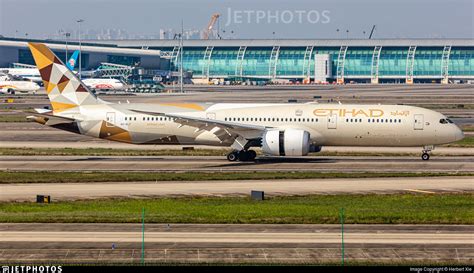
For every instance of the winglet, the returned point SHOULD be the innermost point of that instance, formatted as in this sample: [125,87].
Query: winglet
[71,63]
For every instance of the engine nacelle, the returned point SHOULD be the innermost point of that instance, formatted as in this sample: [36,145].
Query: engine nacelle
[292,142]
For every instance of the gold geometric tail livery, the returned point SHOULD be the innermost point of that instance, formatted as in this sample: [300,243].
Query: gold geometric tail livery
[65,90]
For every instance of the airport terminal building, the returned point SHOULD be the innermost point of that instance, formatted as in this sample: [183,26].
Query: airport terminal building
[366,61]
[16,51]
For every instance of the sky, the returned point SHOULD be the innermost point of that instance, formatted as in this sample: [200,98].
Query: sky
[246,19]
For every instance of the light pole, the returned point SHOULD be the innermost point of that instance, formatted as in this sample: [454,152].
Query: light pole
[80,47]
[67,34]
[181,58]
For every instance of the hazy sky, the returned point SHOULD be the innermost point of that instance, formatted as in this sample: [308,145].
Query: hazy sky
[247,18]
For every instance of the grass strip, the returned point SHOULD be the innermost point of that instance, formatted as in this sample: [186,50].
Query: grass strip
[80,177]
[312,209]
[13,118]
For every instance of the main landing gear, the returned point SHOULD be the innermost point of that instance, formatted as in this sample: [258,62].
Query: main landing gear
[426,152]
[243,155]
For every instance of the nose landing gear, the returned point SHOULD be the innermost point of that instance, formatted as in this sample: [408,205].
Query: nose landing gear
[244,155]
[426,152]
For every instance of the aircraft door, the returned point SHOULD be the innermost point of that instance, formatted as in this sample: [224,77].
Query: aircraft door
[110,118]
[419,122]
[332,121]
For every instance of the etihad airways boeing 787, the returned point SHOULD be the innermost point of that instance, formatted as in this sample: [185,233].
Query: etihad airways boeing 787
[279,129]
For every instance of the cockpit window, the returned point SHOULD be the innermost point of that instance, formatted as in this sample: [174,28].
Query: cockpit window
[445,121]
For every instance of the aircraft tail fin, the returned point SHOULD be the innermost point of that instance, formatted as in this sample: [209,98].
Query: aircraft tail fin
[71,63]
[65,91]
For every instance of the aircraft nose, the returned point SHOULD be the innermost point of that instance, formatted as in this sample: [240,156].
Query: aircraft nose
[458,134]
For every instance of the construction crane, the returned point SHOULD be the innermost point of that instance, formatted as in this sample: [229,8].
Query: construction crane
[372,32]
[210,26]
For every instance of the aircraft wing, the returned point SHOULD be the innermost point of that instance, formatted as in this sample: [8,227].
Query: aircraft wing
[230,128]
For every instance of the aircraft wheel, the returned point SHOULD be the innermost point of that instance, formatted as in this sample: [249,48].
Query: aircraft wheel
[252,154]
[425,156]
[11,91]
[244,156]
[233,156]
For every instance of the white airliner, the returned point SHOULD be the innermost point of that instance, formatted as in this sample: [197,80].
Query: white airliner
[31,74]
[279,129]
[10,85]
[104,84]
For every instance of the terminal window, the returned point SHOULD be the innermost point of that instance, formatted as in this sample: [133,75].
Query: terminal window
[123,60]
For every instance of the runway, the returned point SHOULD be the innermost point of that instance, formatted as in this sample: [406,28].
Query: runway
[70,243]
[75,191]
[457,164]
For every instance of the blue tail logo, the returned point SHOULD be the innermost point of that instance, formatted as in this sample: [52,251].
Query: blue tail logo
[71,63]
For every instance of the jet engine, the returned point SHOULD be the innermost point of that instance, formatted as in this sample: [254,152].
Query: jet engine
[291,142]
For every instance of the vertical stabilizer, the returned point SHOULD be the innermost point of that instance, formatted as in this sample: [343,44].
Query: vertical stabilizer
[65,91]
